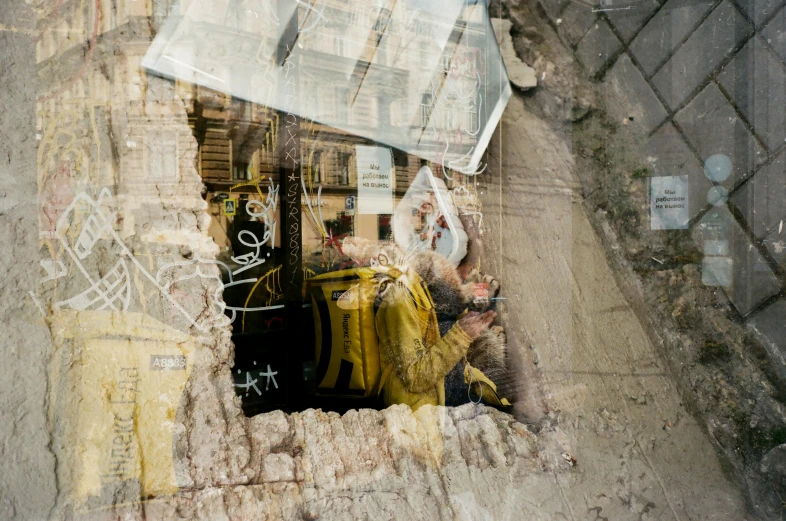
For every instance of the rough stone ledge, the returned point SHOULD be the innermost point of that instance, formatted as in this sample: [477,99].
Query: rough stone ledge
[436,462]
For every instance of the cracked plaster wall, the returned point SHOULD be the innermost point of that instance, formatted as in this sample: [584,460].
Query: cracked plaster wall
[24,435]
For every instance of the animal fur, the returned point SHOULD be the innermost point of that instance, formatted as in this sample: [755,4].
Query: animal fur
[451,297]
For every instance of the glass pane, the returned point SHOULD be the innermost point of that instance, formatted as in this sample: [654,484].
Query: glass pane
[393,259]
[424,77]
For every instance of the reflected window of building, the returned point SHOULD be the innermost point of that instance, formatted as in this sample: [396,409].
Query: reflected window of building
[108,15]
[344,164]
[382,19]
[309,96]
[425,55]
[63,35]
[338,45]
[398,112]
[357,14]
[316,170]
[425,108]
[159,90]
[364,111]
[240,172]
[446,63]
[162,156]
[400,158]
[423,28]
[343,224]
[384,227]
[341,101]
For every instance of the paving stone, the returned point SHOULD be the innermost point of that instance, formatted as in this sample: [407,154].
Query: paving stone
[670,26]
[554,8]
[762,199]
[712,126]
[629,96]
[576,21]
[775,243]
[775,34]
[770,326]
[630,17]
[759,10]
[756,81]
[597,47]
[701,54]
[752,281]
[667,154]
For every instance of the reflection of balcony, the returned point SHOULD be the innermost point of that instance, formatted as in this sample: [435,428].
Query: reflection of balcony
[338,189]
[450,120]
[425,114]
[60,66]
[391,80]
[352,189]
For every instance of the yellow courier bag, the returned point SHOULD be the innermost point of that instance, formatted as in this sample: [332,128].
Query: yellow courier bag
[347,349]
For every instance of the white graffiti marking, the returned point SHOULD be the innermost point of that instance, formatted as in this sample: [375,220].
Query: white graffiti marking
[114,288]
[37,303]
[251,382]
[113,292]
[263,7]
[320,14]
[461,109]
[53,272]
[267,213]
[270,375]
[465,169]
[168,275]
[319,223]
[97,223]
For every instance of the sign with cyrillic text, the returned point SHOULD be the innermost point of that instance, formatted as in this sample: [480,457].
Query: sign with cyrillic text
[669,203]
[375,180]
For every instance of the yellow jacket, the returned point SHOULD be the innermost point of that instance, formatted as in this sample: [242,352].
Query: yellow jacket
[413,358]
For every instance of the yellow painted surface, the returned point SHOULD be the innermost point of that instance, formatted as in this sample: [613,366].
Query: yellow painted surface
[124,408]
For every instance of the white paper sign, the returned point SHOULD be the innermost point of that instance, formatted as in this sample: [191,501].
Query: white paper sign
[669,203]
[375,180]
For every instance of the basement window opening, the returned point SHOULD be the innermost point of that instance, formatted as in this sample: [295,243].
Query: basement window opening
[383,261]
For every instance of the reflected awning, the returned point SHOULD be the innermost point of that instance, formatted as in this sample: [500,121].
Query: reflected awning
[424,76]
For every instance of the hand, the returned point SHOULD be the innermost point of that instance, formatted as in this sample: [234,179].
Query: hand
[474,323]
